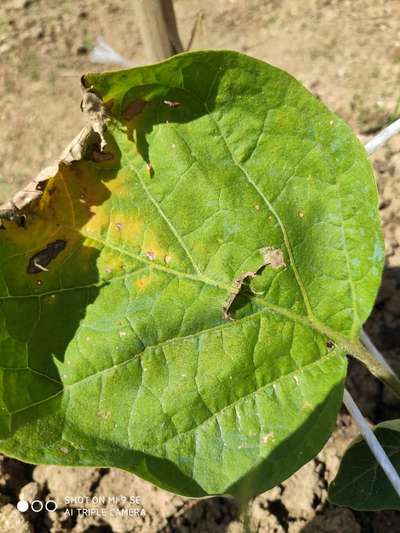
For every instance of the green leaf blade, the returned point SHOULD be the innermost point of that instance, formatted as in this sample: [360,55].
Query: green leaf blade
[214,157]
[361,483]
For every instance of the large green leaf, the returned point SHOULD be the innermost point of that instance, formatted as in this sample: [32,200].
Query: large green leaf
[119,354]
[361,483]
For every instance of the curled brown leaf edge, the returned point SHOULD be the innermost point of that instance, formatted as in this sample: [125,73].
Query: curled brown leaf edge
[91,134]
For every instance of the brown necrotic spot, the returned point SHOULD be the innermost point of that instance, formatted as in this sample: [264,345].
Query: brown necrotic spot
[273,257]
[133,109]
[40,261]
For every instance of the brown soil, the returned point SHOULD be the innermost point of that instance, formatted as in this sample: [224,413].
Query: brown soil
[348,53]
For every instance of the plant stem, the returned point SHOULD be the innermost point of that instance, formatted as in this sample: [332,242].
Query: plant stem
[245,516]
[382,371]
[373,443]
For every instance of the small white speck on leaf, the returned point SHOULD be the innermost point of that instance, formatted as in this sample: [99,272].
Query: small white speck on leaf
[172,104]
[150,255]
[64,450]
[167,259]
[122,333]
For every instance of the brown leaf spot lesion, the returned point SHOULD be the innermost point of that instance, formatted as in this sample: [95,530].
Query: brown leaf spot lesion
[133,109]
[272,257]
[151,255]
[40,261]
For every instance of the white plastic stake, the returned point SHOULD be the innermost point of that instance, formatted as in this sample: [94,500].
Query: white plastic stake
[382,137]
[104,53]
[373,443]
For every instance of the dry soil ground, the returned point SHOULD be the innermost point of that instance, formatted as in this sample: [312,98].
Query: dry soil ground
[348,53]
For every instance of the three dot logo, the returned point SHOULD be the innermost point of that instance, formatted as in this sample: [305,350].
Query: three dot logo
[37,506]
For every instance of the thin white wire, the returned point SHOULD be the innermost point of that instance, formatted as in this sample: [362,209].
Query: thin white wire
[382,137]
[373,443]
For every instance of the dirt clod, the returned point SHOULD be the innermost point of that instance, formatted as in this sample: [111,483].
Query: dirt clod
[12,521]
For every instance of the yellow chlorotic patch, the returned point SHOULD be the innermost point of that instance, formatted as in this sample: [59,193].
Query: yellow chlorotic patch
[98,223]
[126,228]
[111,264]
[118,185]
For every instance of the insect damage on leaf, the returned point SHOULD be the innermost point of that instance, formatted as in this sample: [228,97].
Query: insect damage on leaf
[272,257]
[40,261]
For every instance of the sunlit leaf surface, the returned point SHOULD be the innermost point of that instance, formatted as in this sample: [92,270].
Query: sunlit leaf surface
[115,350]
